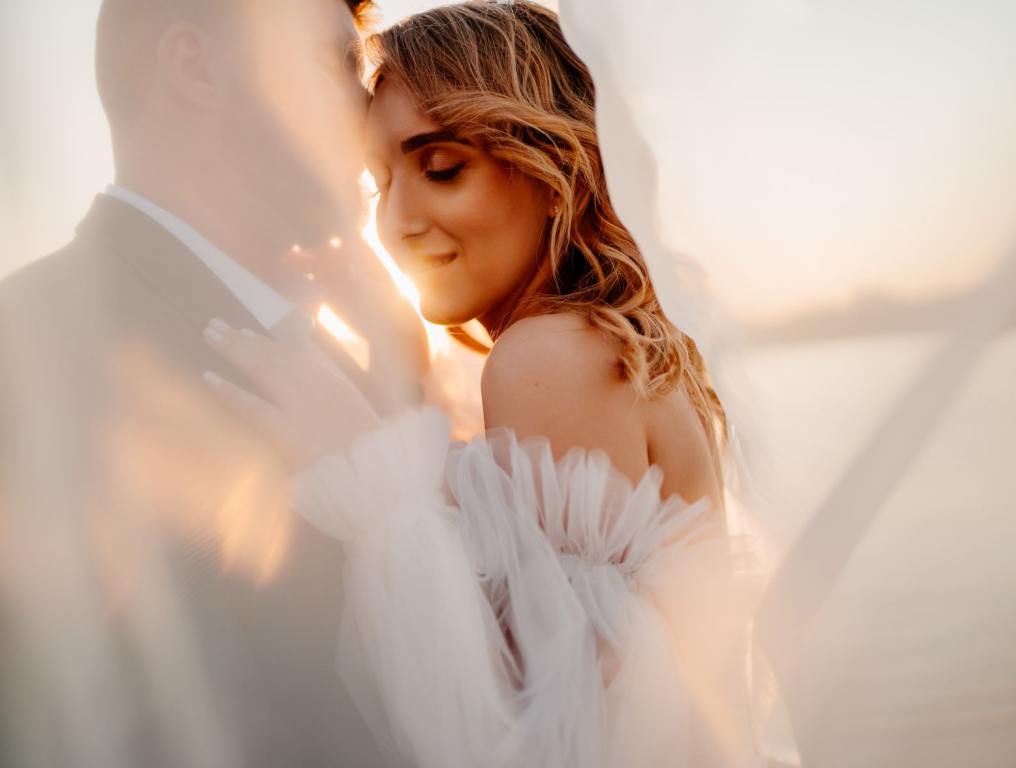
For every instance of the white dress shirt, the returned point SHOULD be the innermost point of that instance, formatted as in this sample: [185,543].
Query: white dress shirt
[261,300]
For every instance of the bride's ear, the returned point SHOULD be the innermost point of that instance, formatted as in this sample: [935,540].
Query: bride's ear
[555,206]
[185,64]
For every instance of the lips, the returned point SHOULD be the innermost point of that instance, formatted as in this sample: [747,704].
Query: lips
[435,261]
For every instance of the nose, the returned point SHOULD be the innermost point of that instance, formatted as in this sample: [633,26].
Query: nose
[400,218]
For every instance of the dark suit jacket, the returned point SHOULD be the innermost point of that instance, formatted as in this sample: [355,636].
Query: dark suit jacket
[160,605]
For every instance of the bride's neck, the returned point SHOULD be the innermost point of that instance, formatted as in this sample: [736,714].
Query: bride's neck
[518,304]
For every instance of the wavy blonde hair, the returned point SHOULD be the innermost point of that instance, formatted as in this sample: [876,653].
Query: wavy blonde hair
[504,74]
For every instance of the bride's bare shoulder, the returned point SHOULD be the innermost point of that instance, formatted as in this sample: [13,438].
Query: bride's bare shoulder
[556,376]
[557,347]
[547,333]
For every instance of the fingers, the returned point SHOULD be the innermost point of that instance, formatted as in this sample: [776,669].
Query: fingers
[246,350]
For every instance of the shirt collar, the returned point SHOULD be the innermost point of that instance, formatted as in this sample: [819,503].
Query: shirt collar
[261,300]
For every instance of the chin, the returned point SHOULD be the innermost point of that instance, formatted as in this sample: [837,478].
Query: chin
[446,313]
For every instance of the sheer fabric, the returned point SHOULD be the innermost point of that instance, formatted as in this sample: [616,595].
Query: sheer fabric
[514,610]
[839,173]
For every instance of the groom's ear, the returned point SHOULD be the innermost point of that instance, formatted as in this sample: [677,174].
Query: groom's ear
[186,66]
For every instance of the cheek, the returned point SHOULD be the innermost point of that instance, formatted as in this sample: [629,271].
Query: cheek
[294,130]
[322,117]
[494,221]
[500,227]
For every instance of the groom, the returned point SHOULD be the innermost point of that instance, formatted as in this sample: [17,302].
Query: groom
[160,606]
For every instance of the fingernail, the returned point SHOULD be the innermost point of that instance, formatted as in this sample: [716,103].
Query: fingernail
[248,333]
[218,324]
[213,334]
[212,378]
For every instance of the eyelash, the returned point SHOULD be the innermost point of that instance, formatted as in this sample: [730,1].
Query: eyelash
[445,174]
[442,176]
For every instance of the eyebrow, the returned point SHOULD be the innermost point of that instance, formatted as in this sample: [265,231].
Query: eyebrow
[414,143]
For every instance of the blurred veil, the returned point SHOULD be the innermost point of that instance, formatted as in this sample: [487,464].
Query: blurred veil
[159,602]
[823,192]
[842,176]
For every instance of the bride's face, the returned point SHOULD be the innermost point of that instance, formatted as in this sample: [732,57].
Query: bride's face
[466,229]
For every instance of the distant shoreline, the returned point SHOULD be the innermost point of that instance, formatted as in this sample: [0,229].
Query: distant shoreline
[868,315]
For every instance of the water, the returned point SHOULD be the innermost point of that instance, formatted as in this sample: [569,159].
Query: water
[913,659]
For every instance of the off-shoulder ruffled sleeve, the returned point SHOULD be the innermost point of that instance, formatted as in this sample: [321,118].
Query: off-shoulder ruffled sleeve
[504,609]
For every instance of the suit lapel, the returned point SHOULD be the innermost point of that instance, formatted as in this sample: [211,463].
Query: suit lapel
[163,295]
[166,266]
[186,292]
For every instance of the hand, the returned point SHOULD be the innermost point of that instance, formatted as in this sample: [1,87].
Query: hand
[353,279]
[314,410]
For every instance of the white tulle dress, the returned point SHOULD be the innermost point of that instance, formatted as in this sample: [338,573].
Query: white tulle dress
[504,609]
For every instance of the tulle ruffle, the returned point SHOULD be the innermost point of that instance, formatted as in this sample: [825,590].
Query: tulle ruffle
[527,611]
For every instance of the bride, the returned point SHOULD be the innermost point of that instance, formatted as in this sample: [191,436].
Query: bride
[562,591]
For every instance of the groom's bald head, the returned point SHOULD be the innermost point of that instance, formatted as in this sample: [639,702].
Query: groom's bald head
[129,33]
[237,99]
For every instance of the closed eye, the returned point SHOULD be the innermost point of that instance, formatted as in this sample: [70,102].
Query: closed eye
[444,174]
[442,163]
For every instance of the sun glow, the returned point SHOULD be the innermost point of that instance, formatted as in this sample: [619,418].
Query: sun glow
[437,336]
[438,340]
[353,343]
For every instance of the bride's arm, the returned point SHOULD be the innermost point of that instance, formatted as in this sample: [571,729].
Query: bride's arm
[676,631]
[422,650]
